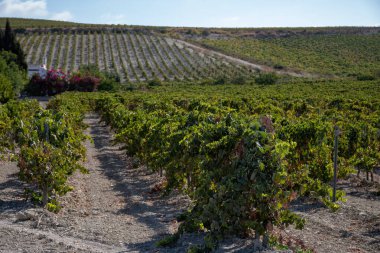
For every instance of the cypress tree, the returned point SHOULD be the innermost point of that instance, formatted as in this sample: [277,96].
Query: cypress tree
[8,37]
[1,39]
[8,42]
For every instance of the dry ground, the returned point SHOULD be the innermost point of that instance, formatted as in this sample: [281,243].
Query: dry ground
[113,209]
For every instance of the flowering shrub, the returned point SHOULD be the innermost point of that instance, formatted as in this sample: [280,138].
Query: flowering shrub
[37,86]
[56,81]
[84,83]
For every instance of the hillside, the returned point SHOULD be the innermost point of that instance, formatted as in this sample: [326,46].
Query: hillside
[138,53]
[342,54]
[135,56]
[23,23]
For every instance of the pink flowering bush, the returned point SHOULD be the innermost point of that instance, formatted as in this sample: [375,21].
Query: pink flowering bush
[80,82]
[56,81]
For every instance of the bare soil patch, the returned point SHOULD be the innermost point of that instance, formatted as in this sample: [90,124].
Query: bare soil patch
[355,227]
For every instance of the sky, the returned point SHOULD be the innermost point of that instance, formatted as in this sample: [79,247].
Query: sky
[201,13]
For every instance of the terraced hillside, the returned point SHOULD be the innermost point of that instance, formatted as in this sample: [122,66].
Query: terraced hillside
[134,56]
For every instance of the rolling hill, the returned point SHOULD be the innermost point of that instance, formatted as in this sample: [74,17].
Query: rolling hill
[138,53]
[134,55]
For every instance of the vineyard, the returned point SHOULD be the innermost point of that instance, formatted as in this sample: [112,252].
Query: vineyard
[181,165]
[251,147]
[25,23]
[342,55]
[133,56]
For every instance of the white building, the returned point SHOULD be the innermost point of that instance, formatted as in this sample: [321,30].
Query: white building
[40,69]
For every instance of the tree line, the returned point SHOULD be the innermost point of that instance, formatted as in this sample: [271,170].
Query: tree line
[13,65]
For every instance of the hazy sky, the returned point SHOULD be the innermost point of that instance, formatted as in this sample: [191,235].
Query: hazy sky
[201,13]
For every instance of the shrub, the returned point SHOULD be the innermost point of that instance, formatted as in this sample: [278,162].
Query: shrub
[220,80]
[84,83]
[89,70]
[363,77]
[239,80]
[55,82]
[278,66]
[37,86]
[154,82]
[6,90]
[8,42]
[266,79]
[10,69]
[108,85]
[205,33]
[88,78]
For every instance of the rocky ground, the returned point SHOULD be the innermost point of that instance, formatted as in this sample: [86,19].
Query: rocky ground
[114,209]
[355,227]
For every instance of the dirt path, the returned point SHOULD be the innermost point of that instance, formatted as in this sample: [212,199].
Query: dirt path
[243,62]
[113,209]
[110,210]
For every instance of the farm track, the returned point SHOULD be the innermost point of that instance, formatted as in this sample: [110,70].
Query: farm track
[110,210]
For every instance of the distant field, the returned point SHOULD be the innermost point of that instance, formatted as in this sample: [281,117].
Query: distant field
[342,55]
[36,23]
[134,56]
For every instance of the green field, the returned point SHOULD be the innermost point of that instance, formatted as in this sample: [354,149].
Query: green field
[37,23]
[342,55]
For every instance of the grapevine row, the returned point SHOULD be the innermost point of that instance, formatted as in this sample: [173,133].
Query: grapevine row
[133,56]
